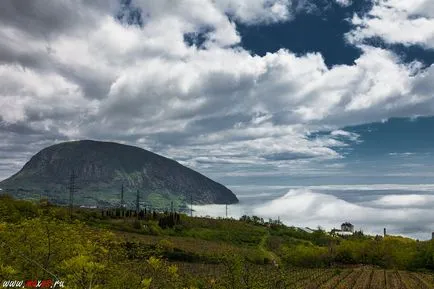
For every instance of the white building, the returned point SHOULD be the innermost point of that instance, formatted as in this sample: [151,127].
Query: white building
[347,229]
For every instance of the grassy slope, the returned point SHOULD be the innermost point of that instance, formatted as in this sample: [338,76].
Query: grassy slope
[213,247]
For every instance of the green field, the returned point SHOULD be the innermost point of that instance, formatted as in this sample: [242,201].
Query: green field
[118,249]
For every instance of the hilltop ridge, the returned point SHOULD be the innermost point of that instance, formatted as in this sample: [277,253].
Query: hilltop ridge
[101,168]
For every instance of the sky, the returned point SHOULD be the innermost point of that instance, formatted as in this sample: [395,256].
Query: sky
[256,94]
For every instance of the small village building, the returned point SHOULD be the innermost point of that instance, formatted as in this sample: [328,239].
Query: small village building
[347,227]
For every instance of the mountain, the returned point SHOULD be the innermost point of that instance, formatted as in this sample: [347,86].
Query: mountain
[102,168]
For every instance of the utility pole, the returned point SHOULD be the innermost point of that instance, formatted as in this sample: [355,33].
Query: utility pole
[122,197]
[171,207]
[72,190]
[226,210]
[191,205]
[137,203]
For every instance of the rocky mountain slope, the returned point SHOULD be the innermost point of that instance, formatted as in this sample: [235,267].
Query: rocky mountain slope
[102,168]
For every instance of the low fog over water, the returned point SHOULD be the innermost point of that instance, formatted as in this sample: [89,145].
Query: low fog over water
[402,209]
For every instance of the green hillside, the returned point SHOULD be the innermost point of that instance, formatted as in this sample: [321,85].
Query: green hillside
[117,248]
[100,169]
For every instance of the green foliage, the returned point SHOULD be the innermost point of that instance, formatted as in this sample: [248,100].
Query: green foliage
[83,272]
[390,252]
[92,251]
[165,200]
[152,228]
[305,256]
[226,230]
[318,237]
[165,246]
[14,210]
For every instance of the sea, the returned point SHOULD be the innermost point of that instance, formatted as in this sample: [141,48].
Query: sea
[405,210]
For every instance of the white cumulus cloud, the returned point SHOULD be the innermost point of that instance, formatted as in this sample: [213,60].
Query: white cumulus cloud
[206,106]
[397,22]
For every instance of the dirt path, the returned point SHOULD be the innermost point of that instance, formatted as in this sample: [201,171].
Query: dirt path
[263,247]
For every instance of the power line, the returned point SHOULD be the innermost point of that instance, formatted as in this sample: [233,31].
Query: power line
[72,189]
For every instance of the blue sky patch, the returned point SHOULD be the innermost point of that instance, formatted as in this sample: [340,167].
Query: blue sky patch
[319,29]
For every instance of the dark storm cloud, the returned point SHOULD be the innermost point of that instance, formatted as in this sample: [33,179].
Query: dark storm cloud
[286,156]
[39,17]
[36,59]
[19,142]
[50,18]
[93,84]
[16,128]
[217,123]
[42,23]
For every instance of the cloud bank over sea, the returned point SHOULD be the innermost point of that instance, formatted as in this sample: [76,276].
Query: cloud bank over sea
[406,212]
